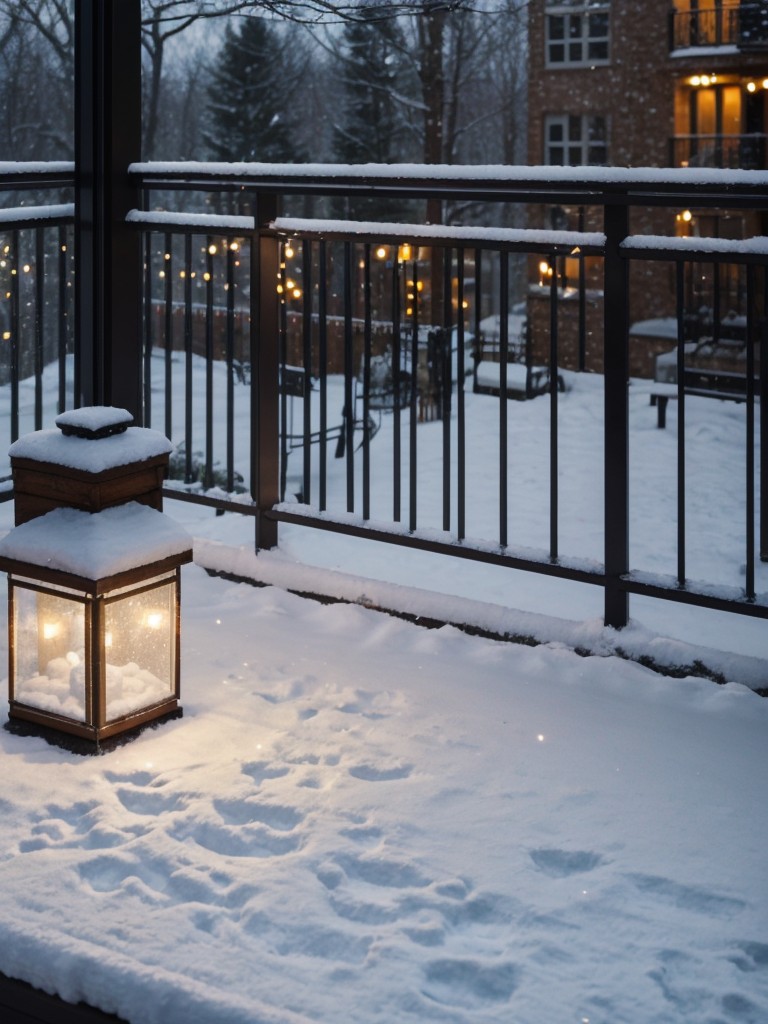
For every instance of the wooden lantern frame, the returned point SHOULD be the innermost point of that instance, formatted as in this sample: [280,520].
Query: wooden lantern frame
[96,596]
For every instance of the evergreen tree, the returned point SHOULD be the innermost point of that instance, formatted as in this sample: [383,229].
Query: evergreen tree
[248,96]
[373,78]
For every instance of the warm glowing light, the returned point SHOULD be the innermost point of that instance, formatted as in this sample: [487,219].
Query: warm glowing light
[405,252]
[419,286]
[290,284]
[280,289]
[297,293]
[206,276]
[107,639]
[161,274]
[6,335]
[212,250]
[465,304]
[289,251]
[51,630]
[695,80]
[166,256]
[154,620]
[764,83]
[381,252]
[409,311]
[234,246]
[706,80]
[540,737]
[751,87]
[687,216]
[182,273]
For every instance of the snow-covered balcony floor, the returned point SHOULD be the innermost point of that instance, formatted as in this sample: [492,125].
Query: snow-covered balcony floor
[362,820]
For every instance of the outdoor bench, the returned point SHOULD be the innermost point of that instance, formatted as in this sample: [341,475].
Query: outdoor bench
[726,385]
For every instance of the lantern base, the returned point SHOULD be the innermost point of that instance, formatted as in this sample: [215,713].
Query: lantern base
[81,744]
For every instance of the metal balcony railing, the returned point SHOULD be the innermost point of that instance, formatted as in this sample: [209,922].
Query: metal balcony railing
[744,25]
[745,152]
[274,343]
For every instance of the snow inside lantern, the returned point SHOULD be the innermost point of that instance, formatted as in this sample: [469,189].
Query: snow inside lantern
[93,610]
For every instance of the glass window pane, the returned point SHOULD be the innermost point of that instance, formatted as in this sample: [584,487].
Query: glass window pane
[140,640]
[49,653]
[556,27]
[598,51]
[556,131]
[557,53]
[598,25]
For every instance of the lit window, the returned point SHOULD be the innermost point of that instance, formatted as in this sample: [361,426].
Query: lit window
[576,140]
[577,34]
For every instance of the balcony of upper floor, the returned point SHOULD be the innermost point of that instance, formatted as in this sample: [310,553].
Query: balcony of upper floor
[745,152]
[742,26]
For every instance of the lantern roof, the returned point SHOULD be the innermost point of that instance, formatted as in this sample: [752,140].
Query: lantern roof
[133,444]
[96,545]
[94,422]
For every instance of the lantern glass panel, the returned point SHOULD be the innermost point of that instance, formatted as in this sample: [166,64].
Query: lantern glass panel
[49,653]
[140,649]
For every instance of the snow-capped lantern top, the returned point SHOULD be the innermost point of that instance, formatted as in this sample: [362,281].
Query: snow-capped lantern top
[94,422]
[94,460]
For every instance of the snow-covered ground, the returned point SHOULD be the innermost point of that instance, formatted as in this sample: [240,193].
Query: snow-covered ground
[362,820]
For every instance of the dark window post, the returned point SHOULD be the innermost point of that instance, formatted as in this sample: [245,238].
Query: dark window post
[616,348]
[265,370]
[108,279]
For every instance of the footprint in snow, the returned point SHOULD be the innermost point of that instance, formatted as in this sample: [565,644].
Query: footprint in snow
[379,773]
[563,863]
[469,983]
[687,897]
[260,771]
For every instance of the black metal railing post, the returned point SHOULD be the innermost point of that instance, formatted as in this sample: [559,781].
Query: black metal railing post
[265,371]
[616,382]
[108,262]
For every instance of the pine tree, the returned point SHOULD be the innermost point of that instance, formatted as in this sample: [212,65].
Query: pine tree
[248,97]
[373,77]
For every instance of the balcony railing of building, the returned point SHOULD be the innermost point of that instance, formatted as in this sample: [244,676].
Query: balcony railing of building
[747,152]
[717,24]
[273,342]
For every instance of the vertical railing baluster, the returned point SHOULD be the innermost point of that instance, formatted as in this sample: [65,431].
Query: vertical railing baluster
[503,393]
[14,261]
[750,436]
[39,323]
[444,356]
[168,321]
[230,361]
[148,331]
[348,412]
[460,405]
[306,333]
[763,343]
[582,362]
[367,316]
[416,399]
[616,415]
[680,304]
[210,250]
[397,402]
[553,410]
[188,363]
[61,404]
[282,348]
[322,338]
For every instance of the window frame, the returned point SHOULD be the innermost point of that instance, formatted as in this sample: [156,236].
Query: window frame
[569,13]
[568,142]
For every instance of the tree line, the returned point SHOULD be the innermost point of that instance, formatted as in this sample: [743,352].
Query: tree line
[423,81]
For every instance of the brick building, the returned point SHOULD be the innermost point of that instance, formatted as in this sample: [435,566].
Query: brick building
[661,84]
